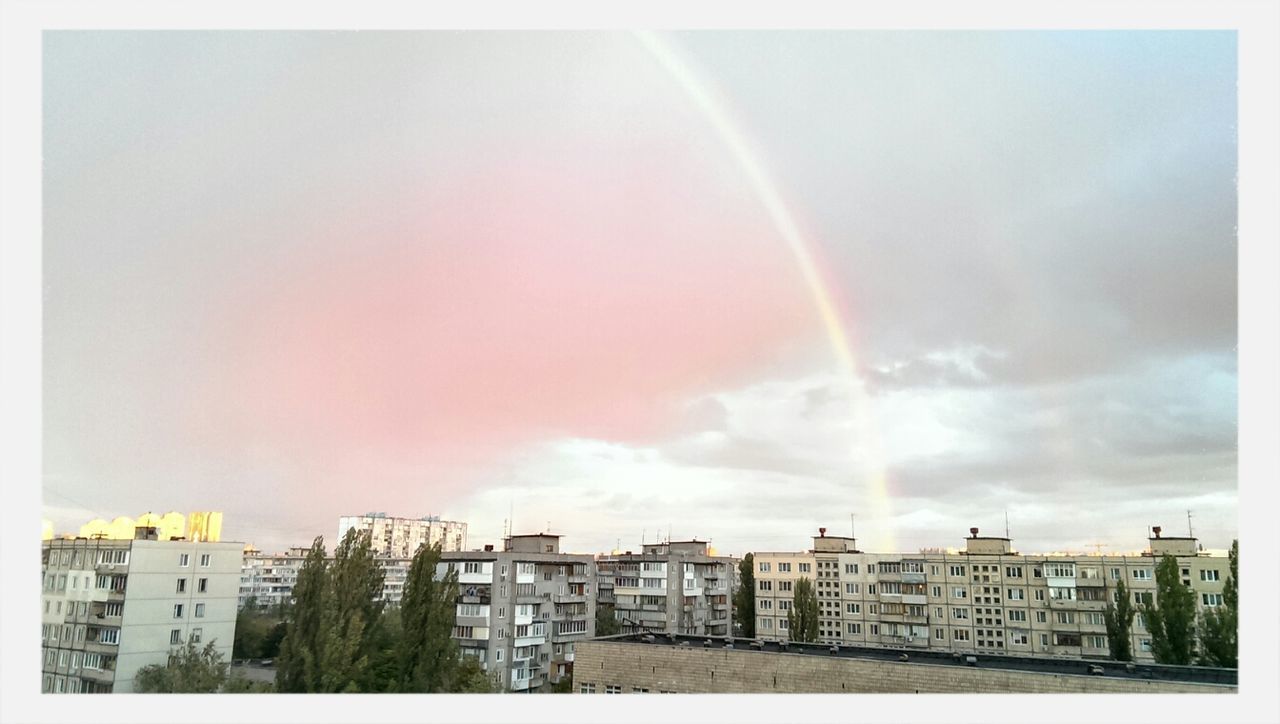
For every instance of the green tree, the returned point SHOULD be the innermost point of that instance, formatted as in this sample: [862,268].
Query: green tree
[744,599]
[190,670]
[1171,618]
[429,656]
[802,618]
[240,684]
[1219,625]
[297,668]
[607,620]
[1118,617]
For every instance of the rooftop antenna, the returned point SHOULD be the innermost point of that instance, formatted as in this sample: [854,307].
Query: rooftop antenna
[1189,533]
[852,530]
[1006,522]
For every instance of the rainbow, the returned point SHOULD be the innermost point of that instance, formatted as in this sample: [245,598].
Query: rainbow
[803,252]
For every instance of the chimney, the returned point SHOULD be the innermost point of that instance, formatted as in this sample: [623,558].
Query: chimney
[973,532]
[1156,529]
[822,532]
[488,547]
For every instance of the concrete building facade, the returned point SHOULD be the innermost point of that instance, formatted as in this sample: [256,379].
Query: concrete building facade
[522,611]
[400,537]
[111,607]
[986,598]
[673,587]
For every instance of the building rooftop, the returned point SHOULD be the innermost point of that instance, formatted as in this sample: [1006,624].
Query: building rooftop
[1038,664]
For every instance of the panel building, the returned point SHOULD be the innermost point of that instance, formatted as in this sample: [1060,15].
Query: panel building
[400,537]
[522,610]
[111,607]
[986,598]
[673,587]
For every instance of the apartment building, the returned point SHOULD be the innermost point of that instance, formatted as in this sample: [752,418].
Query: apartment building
[111,607]
[268,578]
[522,610]
[986,598]
[673,587]
[401,537]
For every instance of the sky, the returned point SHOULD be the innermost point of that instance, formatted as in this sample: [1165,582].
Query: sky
[293,276]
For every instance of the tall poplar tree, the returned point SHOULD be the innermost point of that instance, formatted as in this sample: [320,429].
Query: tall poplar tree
[1171,618]
[802,619]
[297,668]
[744,599]
[429,657]
[1118,617]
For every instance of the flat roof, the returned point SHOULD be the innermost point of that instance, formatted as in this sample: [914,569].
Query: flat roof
[1036,664]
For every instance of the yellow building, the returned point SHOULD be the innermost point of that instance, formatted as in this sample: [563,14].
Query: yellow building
[203,526]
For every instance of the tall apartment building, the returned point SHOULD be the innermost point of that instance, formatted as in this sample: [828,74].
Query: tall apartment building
[673,587]
[111,607]
[986,598]
[521,610]
[400,537]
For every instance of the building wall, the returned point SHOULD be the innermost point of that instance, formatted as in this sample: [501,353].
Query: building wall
[401,537]
[680,591]
[633,667]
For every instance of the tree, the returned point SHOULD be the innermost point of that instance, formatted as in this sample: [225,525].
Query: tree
[1171,619]
[429,656]
[1118,617]
[297,667]
[1219,625]
[802,618]
[744,599]
[240,684]
[190,670]
[607,620]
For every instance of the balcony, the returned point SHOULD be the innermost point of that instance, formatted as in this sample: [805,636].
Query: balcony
[103,676]
[913,578]
[1098,582]
[99,647]
[569,598]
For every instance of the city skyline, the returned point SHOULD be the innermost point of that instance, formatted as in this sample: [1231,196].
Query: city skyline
[468,274]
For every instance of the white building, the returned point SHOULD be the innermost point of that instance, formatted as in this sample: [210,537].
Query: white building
[672,587]
[401,537]
[111,607]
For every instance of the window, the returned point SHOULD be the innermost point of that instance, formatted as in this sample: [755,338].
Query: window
[1115,574]
[498,655]
[109,636]
[465,632]
[638,690]
[1142,574]
[177,610]
[960,613]
[853,608]
[766,585]
[1094,618]
[93,661]
[871,589]
[114,609]
[1060,570]
[471,567]
[204,560]
[1211,599]
[764,623]
[1062,593]
[182,586]
[936,591]
[874,608]
[202,586]
[782,624]
[184,559]
[199,610]
[957,570]
[1018,637]
[959,592]
[63,658]
[613,689]
[1096,642]
[1016,615]
[1042,617]
[57,607]
[587,689]
[1142,597]
[196,634]
[960,634]
[1066,639]
[1039,594]
[852,588]
[1144,645]
[1209,575]
[784,568]
[784,585]
[784,605]
[871,568]
[1015,594]
[175,636]
[1013,571]
[75,660]
[851,568]
[875,629]
[804,567]
[764,567]
[1066,617]
[122,557]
